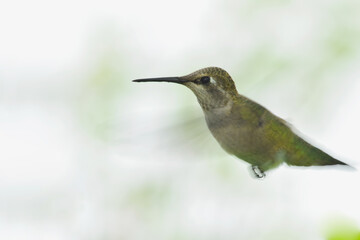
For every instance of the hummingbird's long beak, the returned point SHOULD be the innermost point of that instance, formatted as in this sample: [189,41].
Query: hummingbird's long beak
[162,79]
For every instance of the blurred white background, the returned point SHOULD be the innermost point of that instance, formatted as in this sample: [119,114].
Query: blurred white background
[87,154]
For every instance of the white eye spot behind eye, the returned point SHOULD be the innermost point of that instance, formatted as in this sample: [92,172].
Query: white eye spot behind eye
[212,80]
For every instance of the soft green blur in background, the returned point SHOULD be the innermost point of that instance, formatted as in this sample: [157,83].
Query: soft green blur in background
[87,154]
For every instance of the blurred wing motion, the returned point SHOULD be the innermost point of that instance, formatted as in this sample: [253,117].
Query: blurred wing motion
[304,154]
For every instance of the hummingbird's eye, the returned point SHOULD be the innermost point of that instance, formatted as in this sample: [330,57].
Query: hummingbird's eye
[205,80]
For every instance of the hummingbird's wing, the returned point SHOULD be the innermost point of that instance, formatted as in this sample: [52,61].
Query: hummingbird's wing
[286,143]
[302,153]
[298,152]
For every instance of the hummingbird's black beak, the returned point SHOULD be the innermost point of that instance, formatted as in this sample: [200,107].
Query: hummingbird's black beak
[163,79]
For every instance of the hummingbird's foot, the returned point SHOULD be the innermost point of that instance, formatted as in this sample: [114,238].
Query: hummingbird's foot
[257,171]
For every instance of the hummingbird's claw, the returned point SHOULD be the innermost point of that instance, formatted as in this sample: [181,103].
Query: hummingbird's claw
[257,171]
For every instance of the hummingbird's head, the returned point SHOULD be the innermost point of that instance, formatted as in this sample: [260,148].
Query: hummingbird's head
[212,86]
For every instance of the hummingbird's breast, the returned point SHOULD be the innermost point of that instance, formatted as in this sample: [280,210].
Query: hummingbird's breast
[224,126]
[238,136]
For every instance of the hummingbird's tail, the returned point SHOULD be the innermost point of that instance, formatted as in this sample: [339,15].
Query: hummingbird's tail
[304,154]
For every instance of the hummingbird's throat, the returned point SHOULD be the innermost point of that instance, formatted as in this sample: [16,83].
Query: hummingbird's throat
[212,99]
[214,105]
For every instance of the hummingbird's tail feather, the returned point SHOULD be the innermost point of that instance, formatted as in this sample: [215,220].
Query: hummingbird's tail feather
[304,154]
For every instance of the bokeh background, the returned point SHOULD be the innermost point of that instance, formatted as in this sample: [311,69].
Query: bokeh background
[87,154]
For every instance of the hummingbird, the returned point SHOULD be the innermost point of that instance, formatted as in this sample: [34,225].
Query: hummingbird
[244,128]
